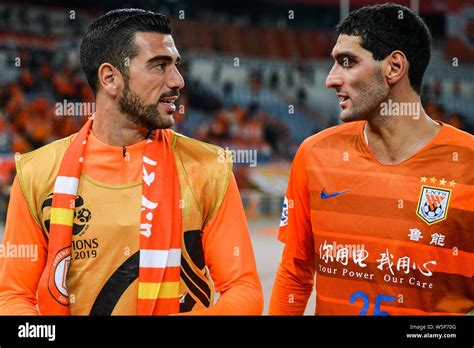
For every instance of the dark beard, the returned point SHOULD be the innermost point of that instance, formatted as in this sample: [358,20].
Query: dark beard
[143,115]
[372,94]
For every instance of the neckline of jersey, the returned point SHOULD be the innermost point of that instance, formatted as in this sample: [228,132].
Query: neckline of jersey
[367,149]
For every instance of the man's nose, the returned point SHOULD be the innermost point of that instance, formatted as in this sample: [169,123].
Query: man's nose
[175,79]
[333,80]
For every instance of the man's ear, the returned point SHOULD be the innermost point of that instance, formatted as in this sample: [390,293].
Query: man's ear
[396,67]
[110,79]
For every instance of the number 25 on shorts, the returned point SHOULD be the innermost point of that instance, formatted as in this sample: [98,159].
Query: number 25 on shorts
[365,299]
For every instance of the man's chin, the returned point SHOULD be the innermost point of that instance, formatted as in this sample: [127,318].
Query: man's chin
[347,116]
[161,123]
[168,122]
[149,121]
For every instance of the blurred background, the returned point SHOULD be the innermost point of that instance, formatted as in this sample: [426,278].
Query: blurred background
[255,76]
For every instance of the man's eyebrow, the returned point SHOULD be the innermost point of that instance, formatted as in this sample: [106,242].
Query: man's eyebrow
[161,58]
[344,54]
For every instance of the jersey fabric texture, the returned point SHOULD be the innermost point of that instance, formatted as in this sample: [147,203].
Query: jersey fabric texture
[378,239]
[103,274]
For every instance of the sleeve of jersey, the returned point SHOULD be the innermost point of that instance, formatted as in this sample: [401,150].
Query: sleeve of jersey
[23,258]
[295,276]
[229,255]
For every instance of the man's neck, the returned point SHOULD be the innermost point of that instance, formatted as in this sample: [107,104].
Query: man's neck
[395,138]
[114,129]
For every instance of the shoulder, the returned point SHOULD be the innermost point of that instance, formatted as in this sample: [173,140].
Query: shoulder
[206,151]
[36,172]
[334,137]
[201,153]
[204,168]
[456,137]
[41,163]
[47,154]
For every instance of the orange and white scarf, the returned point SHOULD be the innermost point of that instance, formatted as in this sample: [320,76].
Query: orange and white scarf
[160,229]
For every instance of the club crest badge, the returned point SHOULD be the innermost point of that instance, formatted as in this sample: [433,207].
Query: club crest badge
[57,276]
[433,204]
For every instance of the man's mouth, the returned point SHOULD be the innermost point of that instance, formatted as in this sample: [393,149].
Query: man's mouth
[169,100]
[168,103]
[343,99]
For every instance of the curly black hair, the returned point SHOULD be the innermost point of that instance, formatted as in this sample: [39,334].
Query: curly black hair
[389,27]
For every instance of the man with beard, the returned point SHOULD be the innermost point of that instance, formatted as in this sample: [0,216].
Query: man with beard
[127,216]
[380,208]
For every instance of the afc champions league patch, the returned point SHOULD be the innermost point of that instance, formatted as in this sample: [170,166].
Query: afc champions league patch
[57,276]
[284,213]
[433,204]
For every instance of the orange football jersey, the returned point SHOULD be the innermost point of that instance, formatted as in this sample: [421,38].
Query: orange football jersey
[378,239]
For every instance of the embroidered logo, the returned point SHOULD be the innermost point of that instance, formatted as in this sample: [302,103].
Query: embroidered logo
[433,204]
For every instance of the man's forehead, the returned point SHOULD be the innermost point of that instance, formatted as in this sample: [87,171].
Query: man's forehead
[348,43]
[155,43]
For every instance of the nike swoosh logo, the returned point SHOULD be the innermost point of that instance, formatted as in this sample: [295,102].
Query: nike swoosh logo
[325,195]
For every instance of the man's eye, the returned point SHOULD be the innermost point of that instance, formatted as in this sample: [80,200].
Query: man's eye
[346,62]
[160,66]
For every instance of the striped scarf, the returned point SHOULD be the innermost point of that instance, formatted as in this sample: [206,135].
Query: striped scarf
[160,229]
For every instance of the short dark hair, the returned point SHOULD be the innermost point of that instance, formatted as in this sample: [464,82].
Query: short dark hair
[389,27]
[110,39]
